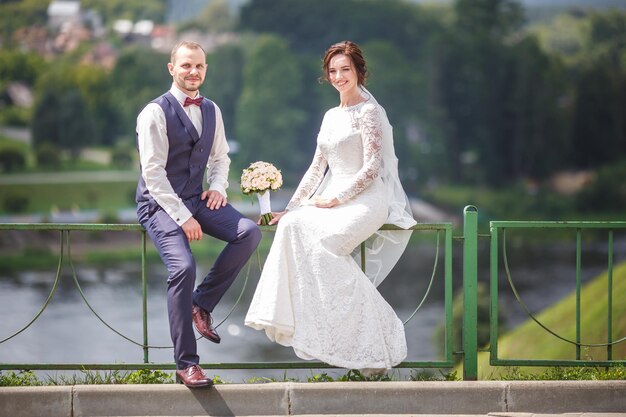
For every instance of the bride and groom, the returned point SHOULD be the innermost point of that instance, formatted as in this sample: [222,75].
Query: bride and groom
[312,294]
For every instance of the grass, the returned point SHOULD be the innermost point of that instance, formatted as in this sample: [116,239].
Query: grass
[512,203]
[106,197]
[86,377]
[146,376]
[5,141]
[44,258]
[45,198]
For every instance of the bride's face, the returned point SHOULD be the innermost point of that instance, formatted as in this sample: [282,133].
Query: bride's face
[342,74]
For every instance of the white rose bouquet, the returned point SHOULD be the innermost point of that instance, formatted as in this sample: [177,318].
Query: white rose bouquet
[258,178]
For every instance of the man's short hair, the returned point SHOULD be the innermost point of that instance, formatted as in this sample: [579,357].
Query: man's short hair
[186,44]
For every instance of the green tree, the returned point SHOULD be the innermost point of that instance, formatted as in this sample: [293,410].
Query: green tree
[12,157]
[499,92]
[73,108]
[565,36]
[598,122]
[311,26]
[139,76]
[599,107]
[15,15]
[224,81]
[536,130]
[46,129]
[396,88]
[23,67]
[75,123]
[64,120]
[95,87]
[488,19]
[267,121]
[214,18]
[16,65]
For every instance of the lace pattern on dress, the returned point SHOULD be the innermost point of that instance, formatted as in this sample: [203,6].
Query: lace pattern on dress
[367,119]
[372,136]
[311,179]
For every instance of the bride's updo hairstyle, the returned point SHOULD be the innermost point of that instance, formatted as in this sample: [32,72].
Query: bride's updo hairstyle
[350,49]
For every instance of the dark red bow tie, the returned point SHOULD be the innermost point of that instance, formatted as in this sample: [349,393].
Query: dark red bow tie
[190,101]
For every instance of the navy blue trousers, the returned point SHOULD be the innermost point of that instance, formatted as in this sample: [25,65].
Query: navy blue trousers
[226,224]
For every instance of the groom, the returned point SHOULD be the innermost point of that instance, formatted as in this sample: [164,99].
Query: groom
[180,135]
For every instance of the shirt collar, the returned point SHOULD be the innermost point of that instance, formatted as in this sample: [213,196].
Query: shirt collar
[179,95]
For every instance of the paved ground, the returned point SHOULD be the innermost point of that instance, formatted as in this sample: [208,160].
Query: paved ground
[370,399]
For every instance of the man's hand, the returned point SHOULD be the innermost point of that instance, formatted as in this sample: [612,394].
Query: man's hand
[192,229]
[214,199]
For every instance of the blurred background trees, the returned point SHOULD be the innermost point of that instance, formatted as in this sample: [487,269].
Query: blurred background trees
[481,93]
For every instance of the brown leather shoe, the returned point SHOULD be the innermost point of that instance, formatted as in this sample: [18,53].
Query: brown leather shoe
[203,322]
[193,377]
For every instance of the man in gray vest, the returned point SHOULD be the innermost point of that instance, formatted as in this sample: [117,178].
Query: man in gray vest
[180,135]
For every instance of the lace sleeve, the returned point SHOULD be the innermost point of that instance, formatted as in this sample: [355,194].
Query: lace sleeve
[371,134]
[310,180]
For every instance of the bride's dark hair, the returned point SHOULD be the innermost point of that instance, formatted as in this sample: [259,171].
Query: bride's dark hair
[350,49]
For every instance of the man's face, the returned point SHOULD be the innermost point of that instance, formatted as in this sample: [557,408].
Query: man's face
[188,69]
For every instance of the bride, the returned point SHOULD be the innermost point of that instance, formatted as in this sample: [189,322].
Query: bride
[312,294]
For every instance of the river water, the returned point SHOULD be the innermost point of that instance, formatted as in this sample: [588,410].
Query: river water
[68,332]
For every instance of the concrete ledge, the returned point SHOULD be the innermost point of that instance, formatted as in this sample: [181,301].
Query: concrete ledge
[566,396]
[36,401]
[479,398]
[177,400]
[398,398]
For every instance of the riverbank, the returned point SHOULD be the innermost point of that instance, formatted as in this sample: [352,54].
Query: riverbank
[478,398]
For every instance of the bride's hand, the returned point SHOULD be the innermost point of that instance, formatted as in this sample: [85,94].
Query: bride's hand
[275,217]
[326,202]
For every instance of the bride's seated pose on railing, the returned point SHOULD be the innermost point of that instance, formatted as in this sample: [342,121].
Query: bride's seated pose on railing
[312,294]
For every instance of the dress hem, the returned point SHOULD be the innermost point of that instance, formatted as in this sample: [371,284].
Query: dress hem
[305,354]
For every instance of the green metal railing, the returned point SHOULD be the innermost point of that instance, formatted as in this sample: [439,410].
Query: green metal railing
[499,231]
[469,352]
[65,232]
[65,251]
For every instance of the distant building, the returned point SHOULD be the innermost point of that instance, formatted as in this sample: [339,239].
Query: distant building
[64,13]
[20,94]
[135,32]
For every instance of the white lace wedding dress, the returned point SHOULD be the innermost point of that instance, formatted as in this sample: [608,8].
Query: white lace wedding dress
[312,294]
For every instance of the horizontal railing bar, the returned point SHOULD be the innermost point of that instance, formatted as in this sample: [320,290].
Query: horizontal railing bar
[228,366]
[559,224]
[71,226]
[138,227]
[418,226]
[554,362]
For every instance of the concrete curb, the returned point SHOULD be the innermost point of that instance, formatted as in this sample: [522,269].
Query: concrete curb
[495,398]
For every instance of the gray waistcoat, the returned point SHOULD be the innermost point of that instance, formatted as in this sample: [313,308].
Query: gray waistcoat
[188,153]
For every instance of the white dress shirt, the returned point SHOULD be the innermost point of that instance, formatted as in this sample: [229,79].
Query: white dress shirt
[154,147]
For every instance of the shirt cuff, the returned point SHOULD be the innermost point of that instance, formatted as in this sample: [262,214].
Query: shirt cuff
[219,189]
[181,216]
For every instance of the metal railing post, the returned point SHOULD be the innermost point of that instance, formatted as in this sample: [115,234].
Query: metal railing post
[493,293]
[609,309]
[470,293]
[144,298]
